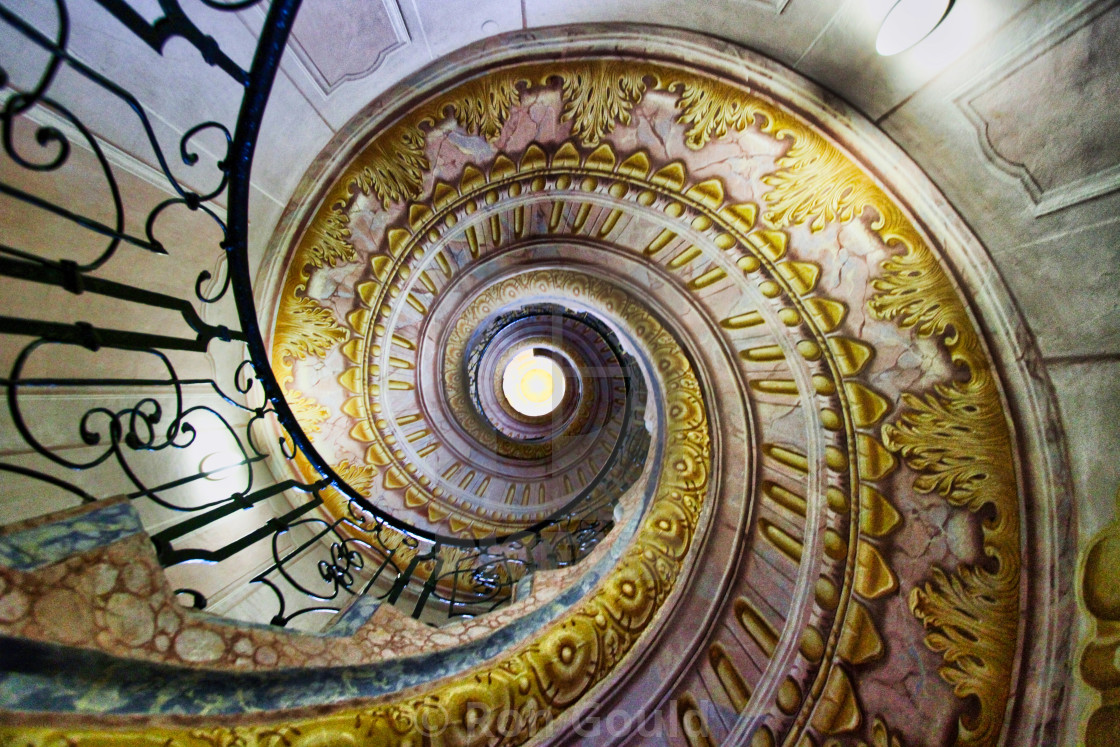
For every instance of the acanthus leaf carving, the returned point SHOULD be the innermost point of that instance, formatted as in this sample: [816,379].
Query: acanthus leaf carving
[816,184]
[306,328]
[328,243]
[482,106]
[913,292]
[309,413]
[393,167]
[599,96]
[965,615]
[956,438]
[957,441]
[712,111]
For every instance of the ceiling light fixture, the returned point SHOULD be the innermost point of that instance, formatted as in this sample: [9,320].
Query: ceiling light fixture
[908,22]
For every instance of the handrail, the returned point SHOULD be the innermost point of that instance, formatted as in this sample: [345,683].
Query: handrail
[140,359]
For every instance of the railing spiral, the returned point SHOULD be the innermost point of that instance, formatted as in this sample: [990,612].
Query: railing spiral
[116,387]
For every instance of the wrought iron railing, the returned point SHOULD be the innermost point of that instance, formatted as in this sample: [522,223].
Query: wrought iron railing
[136,365]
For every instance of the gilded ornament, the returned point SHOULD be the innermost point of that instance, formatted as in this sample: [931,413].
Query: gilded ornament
[712,109]
[598,96]
[547,676]
[956,439]
[303,328]
[392,167]
[1100,661]
[482,106]
[881,736]
[929,434]
[309,413]
[875,578]
[328,243]
[914,292]
[816,184]
[965,614]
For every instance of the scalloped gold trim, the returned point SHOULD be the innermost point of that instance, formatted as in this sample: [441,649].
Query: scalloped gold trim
[956,437]
[550,673]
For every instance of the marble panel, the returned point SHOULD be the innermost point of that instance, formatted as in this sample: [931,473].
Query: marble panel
[264,216]
[347,40]
[1089,397]
[941,138]
[292,133]
[1068,286]
[176,89]
[1066,151]
[1088,393]
[396,49]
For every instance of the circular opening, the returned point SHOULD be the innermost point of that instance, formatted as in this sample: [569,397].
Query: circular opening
[533,384]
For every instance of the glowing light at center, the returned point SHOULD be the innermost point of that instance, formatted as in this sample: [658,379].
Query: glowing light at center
[533,384]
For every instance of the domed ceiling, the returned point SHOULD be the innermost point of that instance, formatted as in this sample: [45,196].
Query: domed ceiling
[664,293]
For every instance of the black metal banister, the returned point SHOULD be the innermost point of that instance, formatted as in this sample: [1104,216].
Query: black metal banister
[147,436]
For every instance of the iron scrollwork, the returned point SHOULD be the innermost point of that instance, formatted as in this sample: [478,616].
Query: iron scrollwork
[188,448]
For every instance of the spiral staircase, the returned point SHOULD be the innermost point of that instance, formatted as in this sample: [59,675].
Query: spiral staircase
[597,384]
